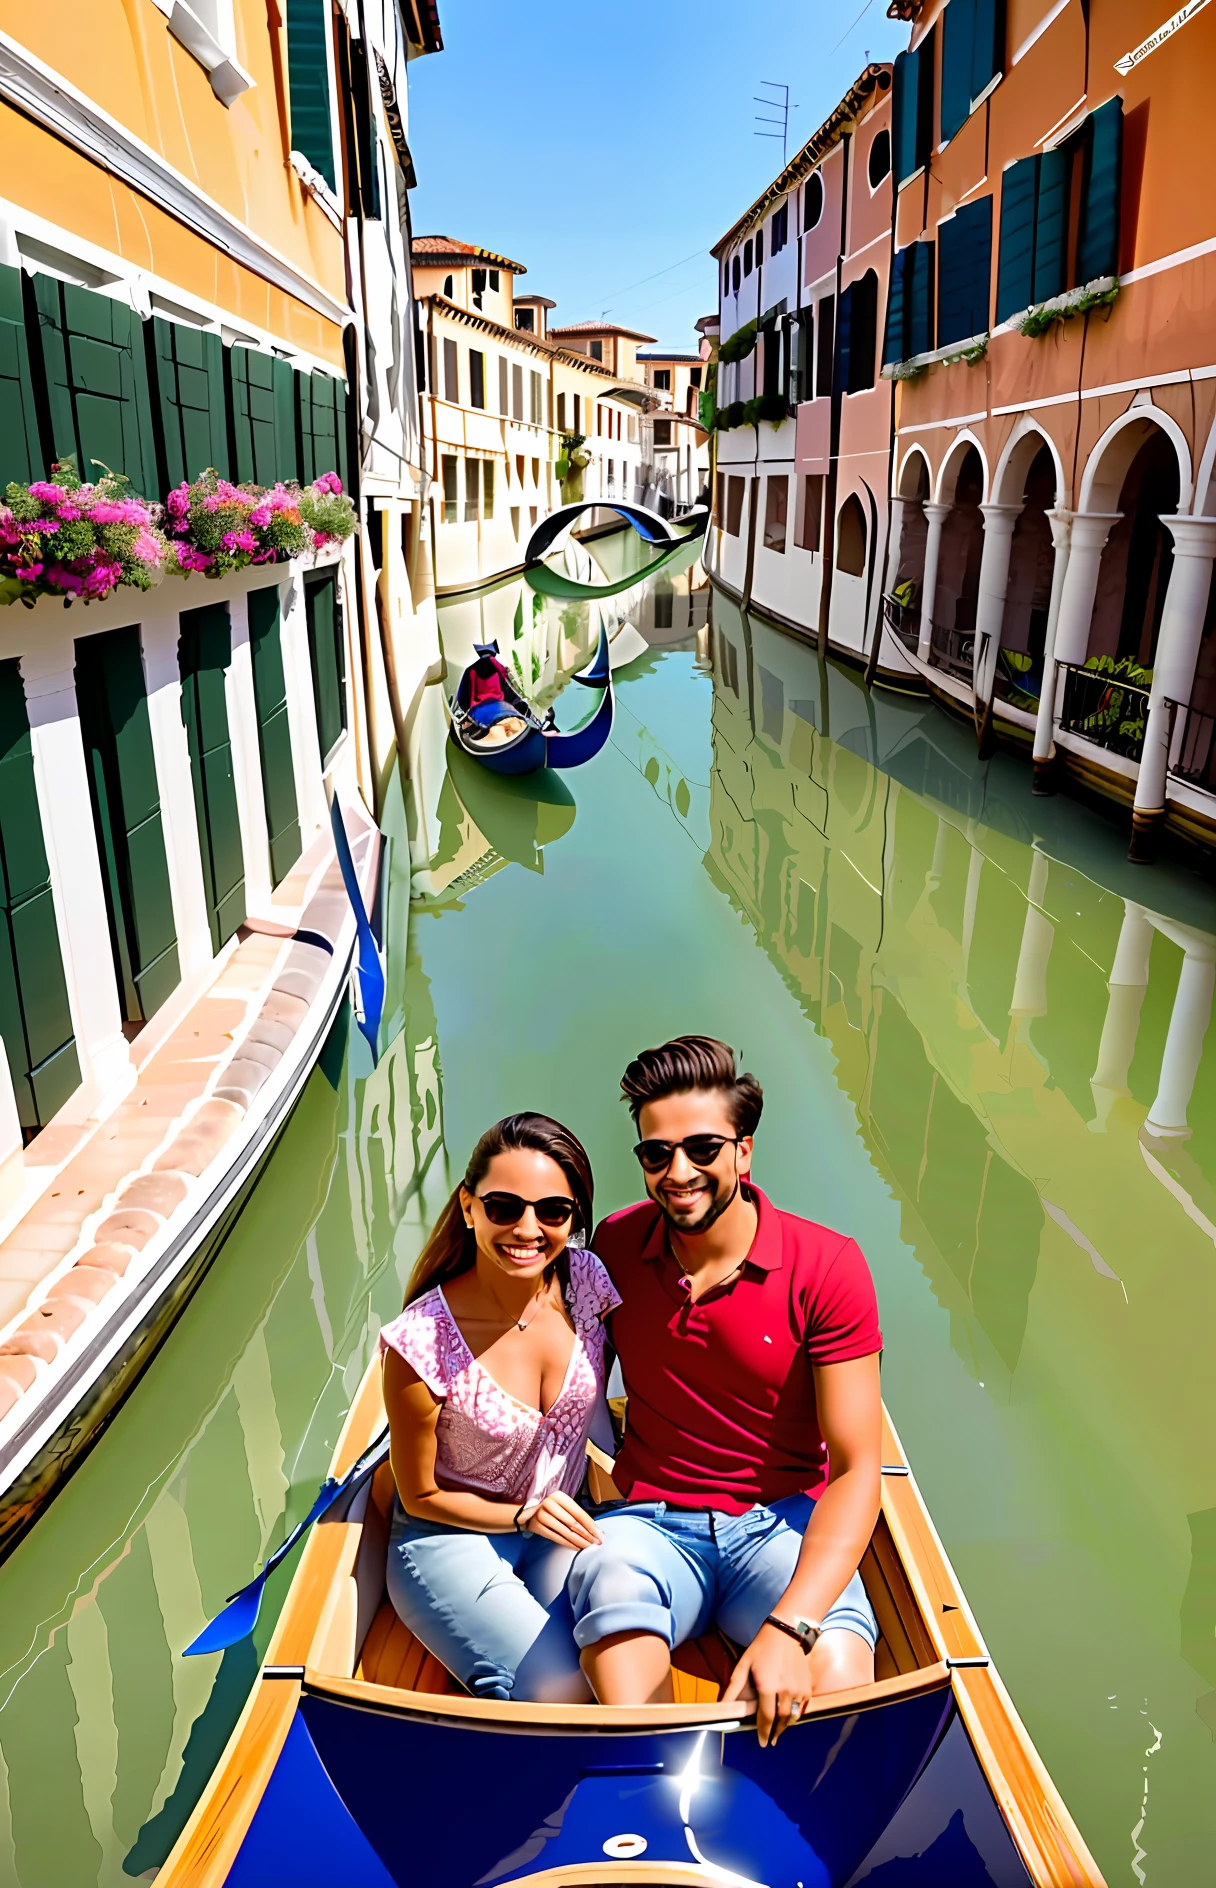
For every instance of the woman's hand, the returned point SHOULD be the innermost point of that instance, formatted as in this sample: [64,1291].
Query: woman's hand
[558,1518]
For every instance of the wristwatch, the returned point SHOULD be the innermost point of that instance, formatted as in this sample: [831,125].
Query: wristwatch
[806,1631]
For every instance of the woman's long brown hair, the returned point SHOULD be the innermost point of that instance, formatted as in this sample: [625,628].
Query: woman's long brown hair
[452,1247]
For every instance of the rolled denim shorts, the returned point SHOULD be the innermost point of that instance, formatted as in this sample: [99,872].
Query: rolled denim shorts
[677,1571]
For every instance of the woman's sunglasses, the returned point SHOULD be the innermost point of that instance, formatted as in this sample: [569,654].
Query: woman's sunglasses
[701,1149]
[507,1209]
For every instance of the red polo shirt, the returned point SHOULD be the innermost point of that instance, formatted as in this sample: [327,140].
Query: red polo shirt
[722,1407]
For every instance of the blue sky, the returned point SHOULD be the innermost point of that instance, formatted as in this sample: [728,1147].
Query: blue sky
[601,145]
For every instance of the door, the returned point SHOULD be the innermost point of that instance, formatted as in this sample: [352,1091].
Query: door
[274,732]
[117,737]
[204,655]
[35,1021]
[328,657]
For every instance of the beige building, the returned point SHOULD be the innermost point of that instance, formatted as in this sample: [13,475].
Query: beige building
[679,445]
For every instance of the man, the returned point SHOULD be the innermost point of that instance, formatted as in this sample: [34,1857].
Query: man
[749,1344]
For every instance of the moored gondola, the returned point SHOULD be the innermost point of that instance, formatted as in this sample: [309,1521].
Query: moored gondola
[358,1761]
[494,723]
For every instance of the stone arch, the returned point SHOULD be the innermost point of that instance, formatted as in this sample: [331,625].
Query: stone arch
[1108,464]
[916,475]
[1205,479]
[1022,448]
[947,478]
[1030,477]
[852,537]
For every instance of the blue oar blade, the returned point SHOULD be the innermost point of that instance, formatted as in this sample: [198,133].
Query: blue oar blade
[235,1623]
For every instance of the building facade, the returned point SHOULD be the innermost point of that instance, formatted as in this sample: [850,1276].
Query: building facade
[679,443]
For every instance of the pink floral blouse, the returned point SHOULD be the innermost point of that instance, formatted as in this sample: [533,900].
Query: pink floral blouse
[487,1440]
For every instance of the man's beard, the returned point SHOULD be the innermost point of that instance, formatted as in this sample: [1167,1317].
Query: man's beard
[712,1213]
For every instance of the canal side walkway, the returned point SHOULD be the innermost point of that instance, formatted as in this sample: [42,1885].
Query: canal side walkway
[128,1184]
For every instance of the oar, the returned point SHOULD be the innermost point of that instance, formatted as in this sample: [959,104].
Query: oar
[240,1615]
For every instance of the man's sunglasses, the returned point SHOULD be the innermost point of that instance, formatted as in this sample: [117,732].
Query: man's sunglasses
[701,1149]
[507,1209]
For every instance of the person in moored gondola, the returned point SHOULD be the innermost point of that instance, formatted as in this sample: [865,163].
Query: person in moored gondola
[749,1344]
[493,714]
[493,1381]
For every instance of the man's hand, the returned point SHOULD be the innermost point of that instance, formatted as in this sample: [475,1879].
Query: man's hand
[777,1673]
[560,1519]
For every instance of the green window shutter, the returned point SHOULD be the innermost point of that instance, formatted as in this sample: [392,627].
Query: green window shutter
[958,49]
[308,84]
[327,656]
[257,419]
[1098,235]
[189,372]
[987,44]
[964,272]
[1051,227]
[903,114]
[97,383]
[274,731]
[286,429]
[341,464]
[844,341]
[35,1019]
[894,348]
[920,300]
[926,79]
[322,449]
[205,654]
[113,704]
[1015,264]
[20,446]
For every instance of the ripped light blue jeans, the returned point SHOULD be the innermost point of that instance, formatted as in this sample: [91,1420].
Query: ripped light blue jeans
[491,1607]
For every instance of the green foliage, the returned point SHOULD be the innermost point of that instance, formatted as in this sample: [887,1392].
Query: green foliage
[772,407]
[1040,320]
[740,344]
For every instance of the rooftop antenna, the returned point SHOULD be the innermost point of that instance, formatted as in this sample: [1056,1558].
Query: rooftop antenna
[781,105]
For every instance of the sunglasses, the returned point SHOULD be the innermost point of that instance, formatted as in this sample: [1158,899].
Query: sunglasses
[507,1209]
[701,1149]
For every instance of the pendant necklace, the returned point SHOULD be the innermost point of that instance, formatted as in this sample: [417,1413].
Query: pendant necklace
[532,1307]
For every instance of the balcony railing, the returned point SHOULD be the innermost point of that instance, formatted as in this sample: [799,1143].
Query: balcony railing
[1193,746]
[903,620]
[953,650]
[1104,709]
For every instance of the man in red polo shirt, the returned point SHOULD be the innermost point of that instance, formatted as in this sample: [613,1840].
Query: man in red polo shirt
[749,1344]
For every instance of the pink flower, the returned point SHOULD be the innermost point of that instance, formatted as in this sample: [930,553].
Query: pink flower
[147,549]
[260,516]
[46,493]
[328,482]
[178,501]
[239,541]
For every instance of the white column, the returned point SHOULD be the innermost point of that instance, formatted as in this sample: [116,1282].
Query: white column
[1189,1020]
[1038,936]
[62,780]
[160,636]
[247,761]
[936,514]
[1090,530]
[1061,535]
[1128,982]
[1182,619]
[999,522]
[898,514]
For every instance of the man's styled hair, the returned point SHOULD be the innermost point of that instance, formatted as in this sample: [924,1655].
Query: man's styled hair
[688,1063]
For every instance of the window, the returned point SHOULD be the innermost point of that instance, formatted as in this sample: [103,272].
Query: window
[561,412]
[517,391]
[857,335]
[910,304]
[779,229]
[735,489]
[450,474]
[472,490]
[448,287]
[477,378]
[612,472]
[973,52]
[308,27]
[776,499]
[802,356]
[596,350]
[749,249]
[964,272]
[694,376]
[662,433]
[504,375]
[274,731]
[662,379]
[806,537]
[912,109]
[812,201]
[759,247]
[494,280]
[525,320]
[451,373]
[487,489]
[578,412]
[205,656]
[1102,157]
[879,165]
[479,287]
[734,270]
[534,399]
[826,343]
[851,538]
[327,651]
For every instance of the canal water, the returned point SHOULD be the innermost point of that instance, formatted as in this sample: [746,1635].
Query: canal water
[981,1037]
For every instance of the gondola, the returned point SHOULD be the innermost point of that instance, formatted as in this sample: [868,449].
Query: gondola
[358,1761]
[539,743]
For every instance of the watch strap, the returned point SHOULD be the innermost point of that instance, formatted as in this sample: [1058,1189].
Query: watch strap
[792,1632]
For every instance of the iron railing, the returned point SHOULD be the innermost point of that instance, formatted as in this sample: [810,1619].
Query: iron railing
[1193,746]
[903,620]
[953,650]
[1104,709]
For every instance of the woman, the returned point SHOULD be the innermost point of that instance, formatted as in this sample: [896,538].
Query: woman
[493,1377]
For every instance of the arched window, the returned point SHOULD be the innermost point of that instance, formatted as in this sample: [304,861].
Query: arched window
[735,272]
[880,159]
[447,287]
[812,201]
[851,537]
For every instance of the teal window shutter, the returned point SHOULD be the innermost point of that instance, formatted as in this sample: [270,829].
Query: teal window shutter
[920,300]
[1098,234]
[274,731]
[894,346]
[97,382]
[308,25]
[926,78]
[21,456]
[205,655]
[189,374]
[958,52]
[841,366]
[964,272]
[987,45]
[327,655]
[1015,263]
[322,393]
[256,418]
[1051,226]
[903,115]
[35,1019]
[286,431]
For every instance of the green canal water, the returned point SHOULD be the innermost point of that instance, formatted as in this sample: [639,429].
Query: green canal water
[981,1037]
